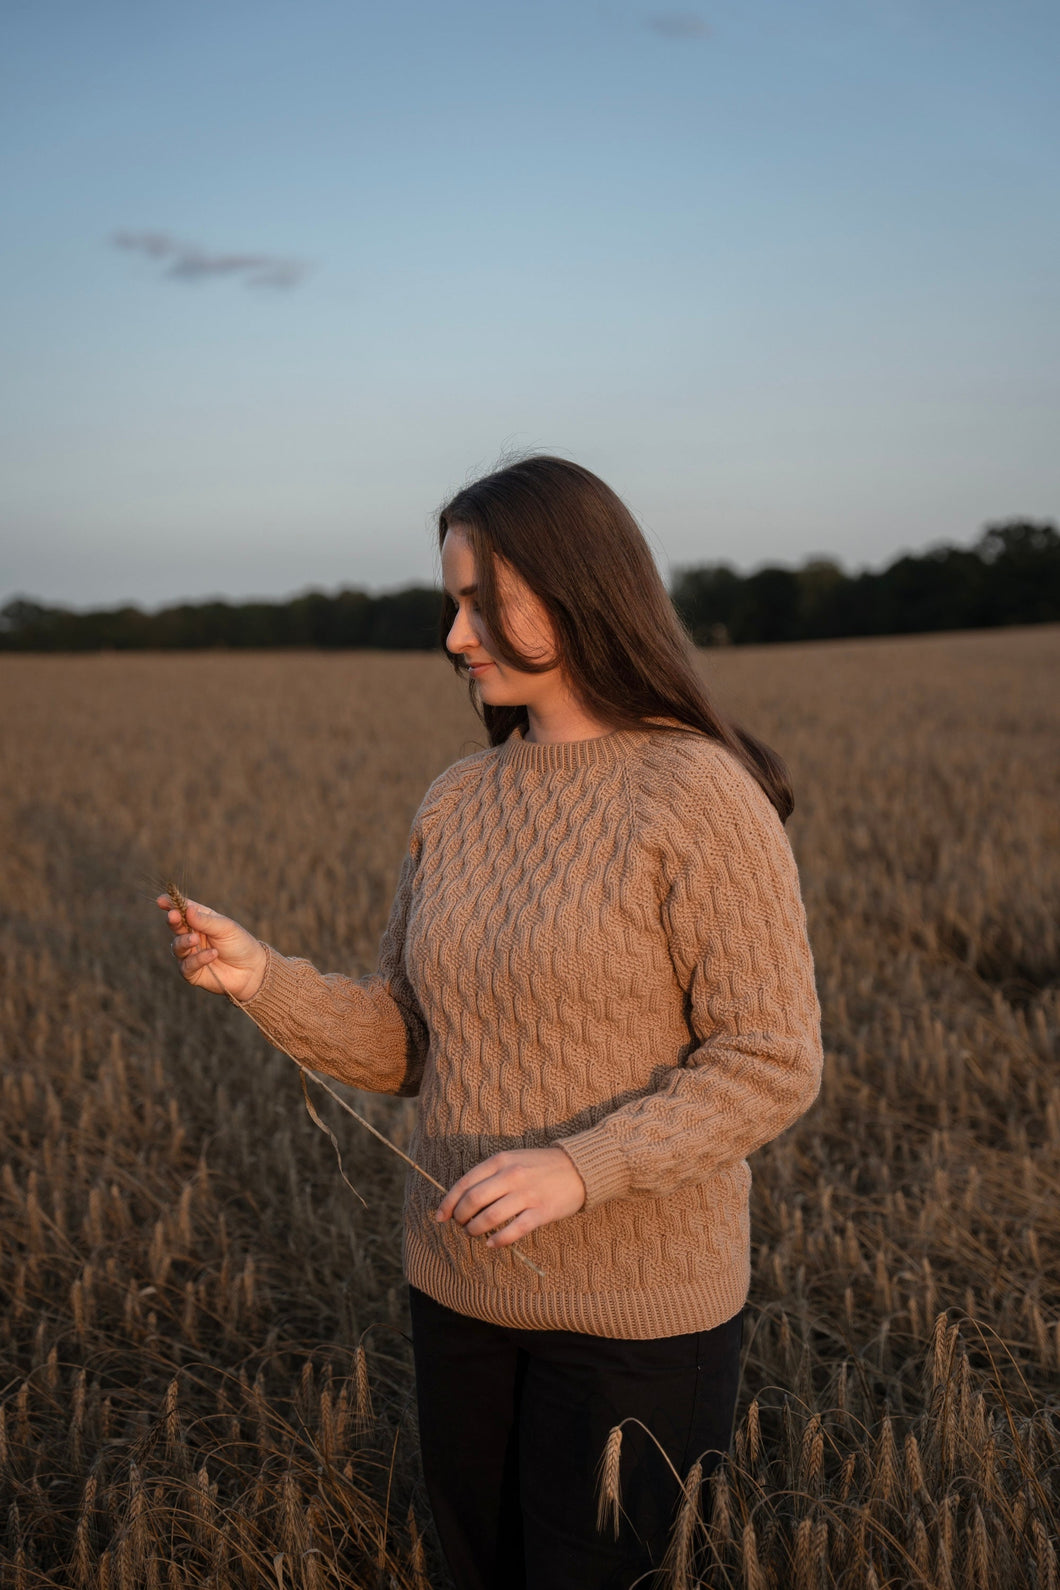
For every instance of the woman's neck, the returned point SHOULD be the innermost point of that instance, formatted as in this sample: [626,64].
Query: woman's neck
[563,720]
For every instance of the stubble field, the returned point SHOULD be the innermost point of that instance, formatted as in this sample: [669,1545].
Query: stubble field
[204,1369]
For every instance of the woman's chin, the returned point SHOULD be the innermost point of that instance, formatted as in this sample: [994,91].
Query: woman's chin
[496,698]
[493,693]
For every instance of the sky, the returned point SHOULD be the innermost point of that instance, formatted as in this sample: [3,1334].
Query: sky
[279,277]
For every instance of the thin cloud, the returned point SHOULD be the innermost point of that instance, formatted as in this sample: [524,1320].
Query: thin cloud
[678,25]
[189,263]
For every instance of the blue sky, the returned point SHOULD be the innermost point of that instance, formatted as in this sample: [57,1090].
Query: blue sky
[786,275]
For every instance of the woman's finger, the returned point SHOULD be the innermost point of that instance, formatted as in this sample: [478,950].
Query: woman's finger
[174,917]
[468,1180]
[189,944]
[529,1220]
[190,964]
[495,1214]
[201,921]
[481,1196]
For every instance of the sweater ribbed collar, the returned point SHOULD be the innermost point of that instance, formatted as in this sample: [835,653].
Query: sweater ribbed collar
[567,754]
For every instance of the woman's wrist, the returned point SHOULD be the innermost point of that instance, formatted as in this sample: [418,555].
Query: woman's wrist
[258,973]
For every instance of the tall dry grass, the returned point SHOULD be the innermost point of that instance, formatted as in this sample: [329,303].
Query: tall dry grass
[204,1369]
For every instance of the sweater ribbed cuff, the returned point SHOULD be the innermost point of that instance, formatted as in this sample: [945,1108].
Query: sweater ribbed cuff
[599,1163]
[271,1006]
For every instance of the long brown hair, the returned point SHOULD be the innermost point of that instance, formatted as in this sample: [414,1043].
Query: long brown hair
[581,552]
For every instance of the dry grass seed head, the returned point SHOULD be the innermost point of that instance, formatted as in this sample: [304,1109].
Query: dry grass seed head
[608,1493]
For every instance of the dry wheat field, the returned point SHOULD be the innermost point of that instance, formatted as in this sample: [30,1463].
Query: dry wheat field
[204,1369]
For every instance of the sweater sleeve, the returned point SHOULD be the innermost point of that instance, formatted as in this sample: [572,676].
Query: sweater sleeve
[367,1031]
[735,922]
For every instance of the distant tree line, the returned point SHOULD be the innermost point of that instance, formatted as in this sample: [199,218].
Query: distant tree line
[1010,576]
[399,621]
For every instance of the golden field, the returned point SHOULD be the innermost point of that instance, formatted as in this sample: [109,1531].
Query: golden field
[204,1374]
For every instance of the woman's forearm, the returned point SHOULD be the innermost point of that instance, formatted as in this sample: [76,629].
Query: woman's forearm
[359,1030]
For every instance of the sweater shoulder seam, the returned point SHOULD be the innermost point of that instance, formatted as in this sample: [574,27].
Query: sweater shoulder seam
[652,761]
[713,761]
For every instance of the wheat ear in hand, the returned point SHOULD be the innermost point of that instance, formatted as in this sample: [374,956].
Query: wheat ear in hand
[180,902]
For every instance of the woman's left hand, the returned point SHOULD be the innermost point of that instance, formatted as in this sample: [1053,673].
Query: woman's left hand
[526,1187]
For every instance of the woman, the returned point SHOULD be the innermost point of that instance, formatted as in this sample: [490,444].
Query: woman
[596,975]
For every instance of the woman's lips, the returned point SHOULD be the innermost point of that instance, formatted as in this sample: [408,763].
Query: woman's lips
[475,669]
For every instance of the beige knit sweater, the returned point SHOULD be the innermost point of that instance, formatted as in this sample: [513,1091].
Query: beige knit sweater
[599,944]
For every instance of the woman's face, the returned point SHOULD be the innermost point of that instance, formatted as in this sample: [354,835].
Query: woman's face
[526,621]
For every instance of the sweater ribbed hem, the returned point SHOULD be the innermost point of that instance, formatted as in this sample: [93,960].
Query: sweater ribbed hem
[626,1315]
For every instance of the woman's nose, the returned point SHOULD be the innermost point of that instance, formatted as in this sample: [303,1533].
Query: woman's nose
[459,637]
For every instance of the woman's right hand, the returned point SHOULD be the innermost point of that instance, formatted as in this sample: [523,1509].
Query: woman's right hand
[216,954]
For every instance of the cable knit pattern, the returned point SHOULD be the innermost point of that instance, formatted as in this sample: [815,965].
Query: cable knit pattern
[599,945]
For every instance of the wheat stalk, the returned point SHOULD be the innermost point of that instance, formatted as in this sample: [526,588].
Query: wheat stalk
[180,903]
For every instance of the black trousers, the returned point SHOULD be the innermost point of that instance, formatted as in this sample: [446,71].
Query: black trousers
[513,1425]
